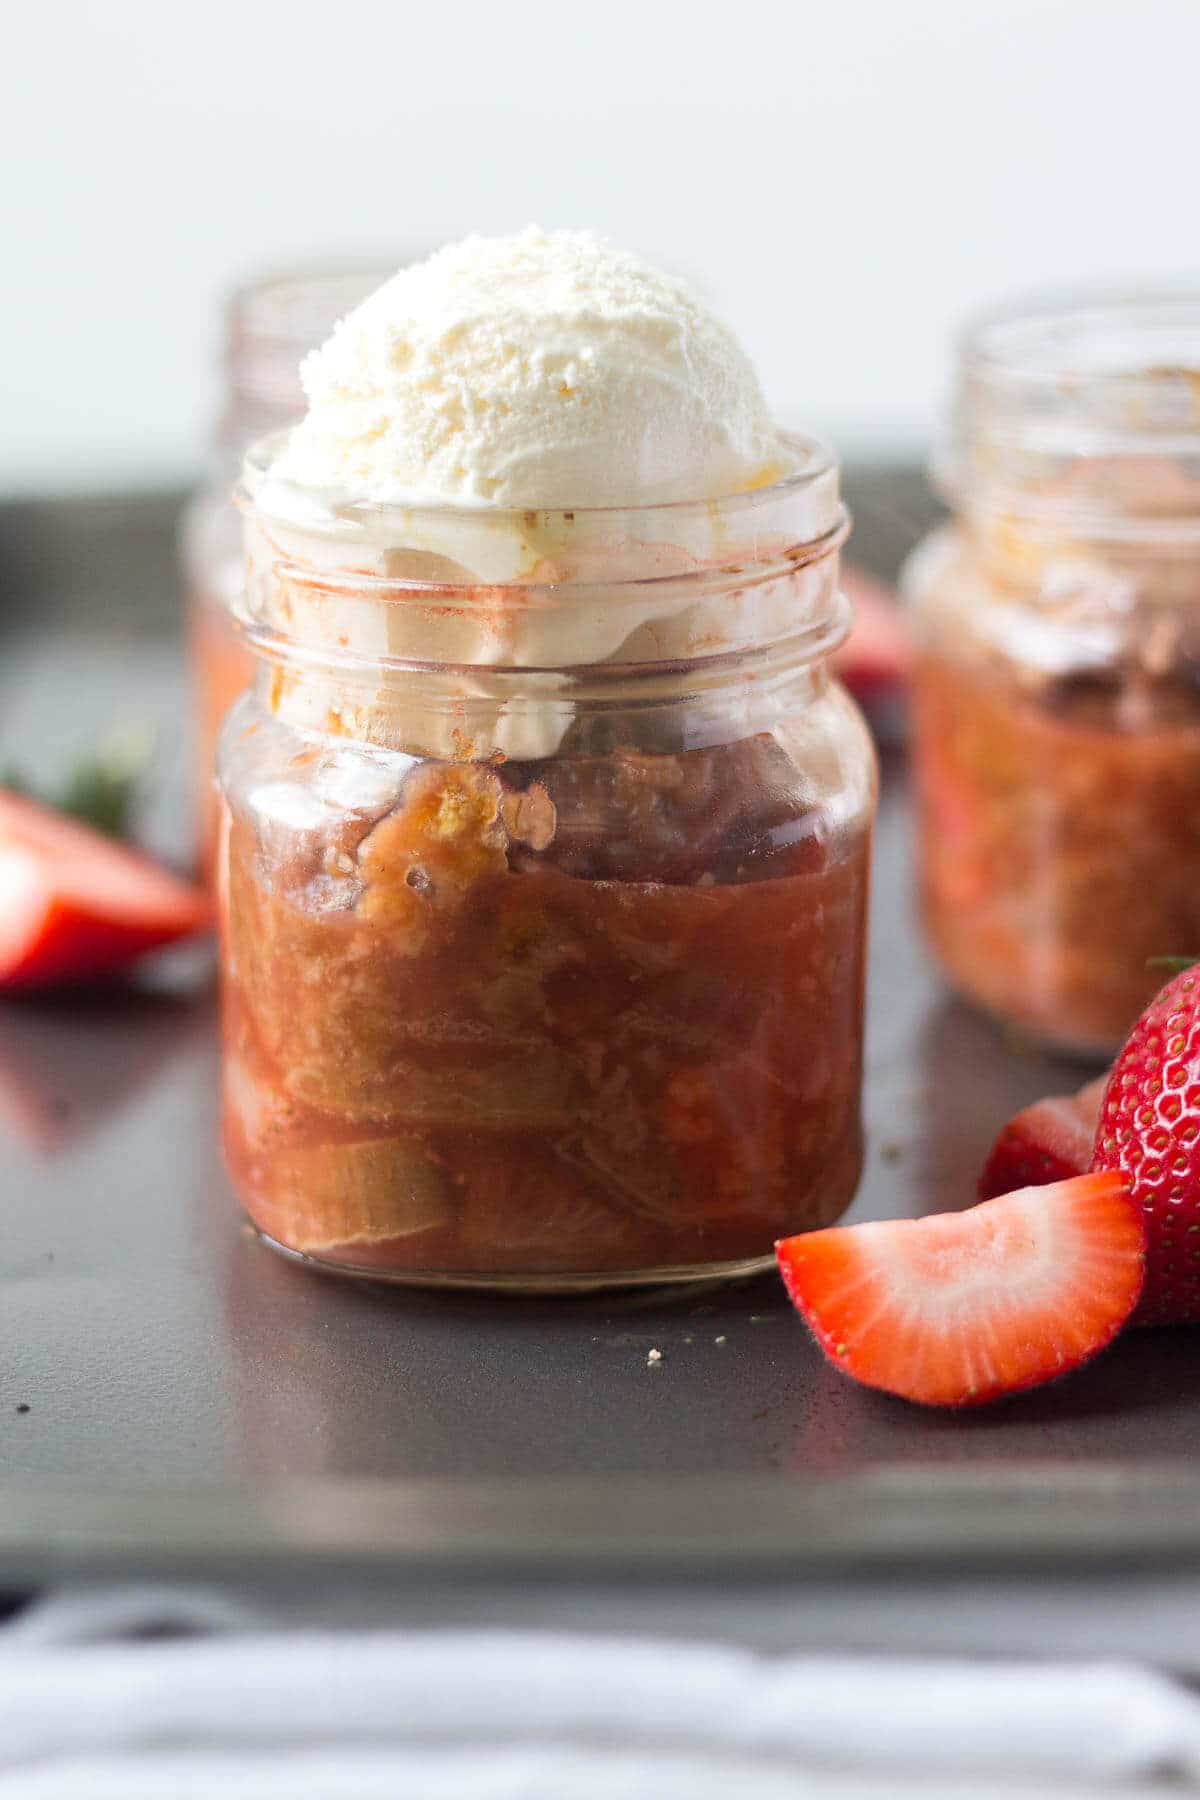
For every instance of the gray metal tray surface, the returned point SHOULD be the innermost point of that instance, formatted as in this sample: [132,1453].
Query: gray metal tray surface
[174,1395]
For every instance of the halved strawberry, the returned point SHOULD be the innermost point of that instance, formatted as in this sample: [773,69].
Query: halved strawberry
[1049,1141]
[75,906]
[874,660]
[959,1308]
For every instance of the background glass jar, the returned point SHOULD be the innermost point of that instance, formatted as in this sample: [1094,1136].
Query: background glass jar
[270,324]
[1056,706]
[546,859]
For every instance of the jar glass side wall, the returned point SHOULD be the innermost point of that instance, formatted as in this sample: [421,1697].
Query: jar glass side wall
[589,1019]
[221,665]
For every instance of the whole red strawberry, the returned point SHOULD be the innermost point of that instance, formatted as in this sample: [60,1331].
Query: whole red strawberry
[1150,1128]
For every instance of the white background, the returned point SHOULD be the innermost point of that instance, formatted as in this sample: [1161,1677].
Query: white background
[845,178]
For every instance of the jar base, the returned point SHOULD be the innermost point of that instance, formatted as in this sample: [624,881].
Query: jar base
[564,1283]
[1027,1035]
[1022,1037]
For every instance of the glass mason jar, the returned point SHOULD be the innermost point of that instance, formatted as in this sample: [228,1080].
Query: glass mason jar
[270,324]
[545,860]
[1056,705]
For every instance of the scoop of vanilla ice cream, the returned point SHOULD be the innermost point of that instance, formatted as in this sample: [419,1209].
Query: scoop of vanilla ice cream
[543,370]
[464,422]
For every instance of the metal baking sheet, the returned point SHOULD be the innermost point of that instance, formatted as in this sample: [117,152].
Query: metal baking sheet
[173,1395]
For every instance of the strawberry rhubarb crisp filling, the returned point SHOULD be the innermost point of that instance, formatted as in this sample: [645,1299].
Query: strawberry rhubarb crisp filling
[1060,838]
[598,1015]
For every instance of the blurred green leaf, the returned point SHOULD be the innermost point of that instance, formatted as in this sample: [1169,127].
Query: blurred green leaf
[102,788]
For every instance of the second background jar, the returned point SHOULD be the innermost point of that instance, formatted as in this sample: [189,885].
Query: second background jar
[1056,706]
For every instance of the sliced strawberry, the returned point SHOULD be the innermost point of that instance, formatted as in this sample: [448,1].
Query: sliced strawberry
[874,660]
[75,906]
[959,1308]
[1049,1141]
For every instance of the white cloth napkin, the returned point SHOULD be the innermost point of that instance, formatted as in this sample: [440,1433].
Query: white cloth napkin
[499,1715]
